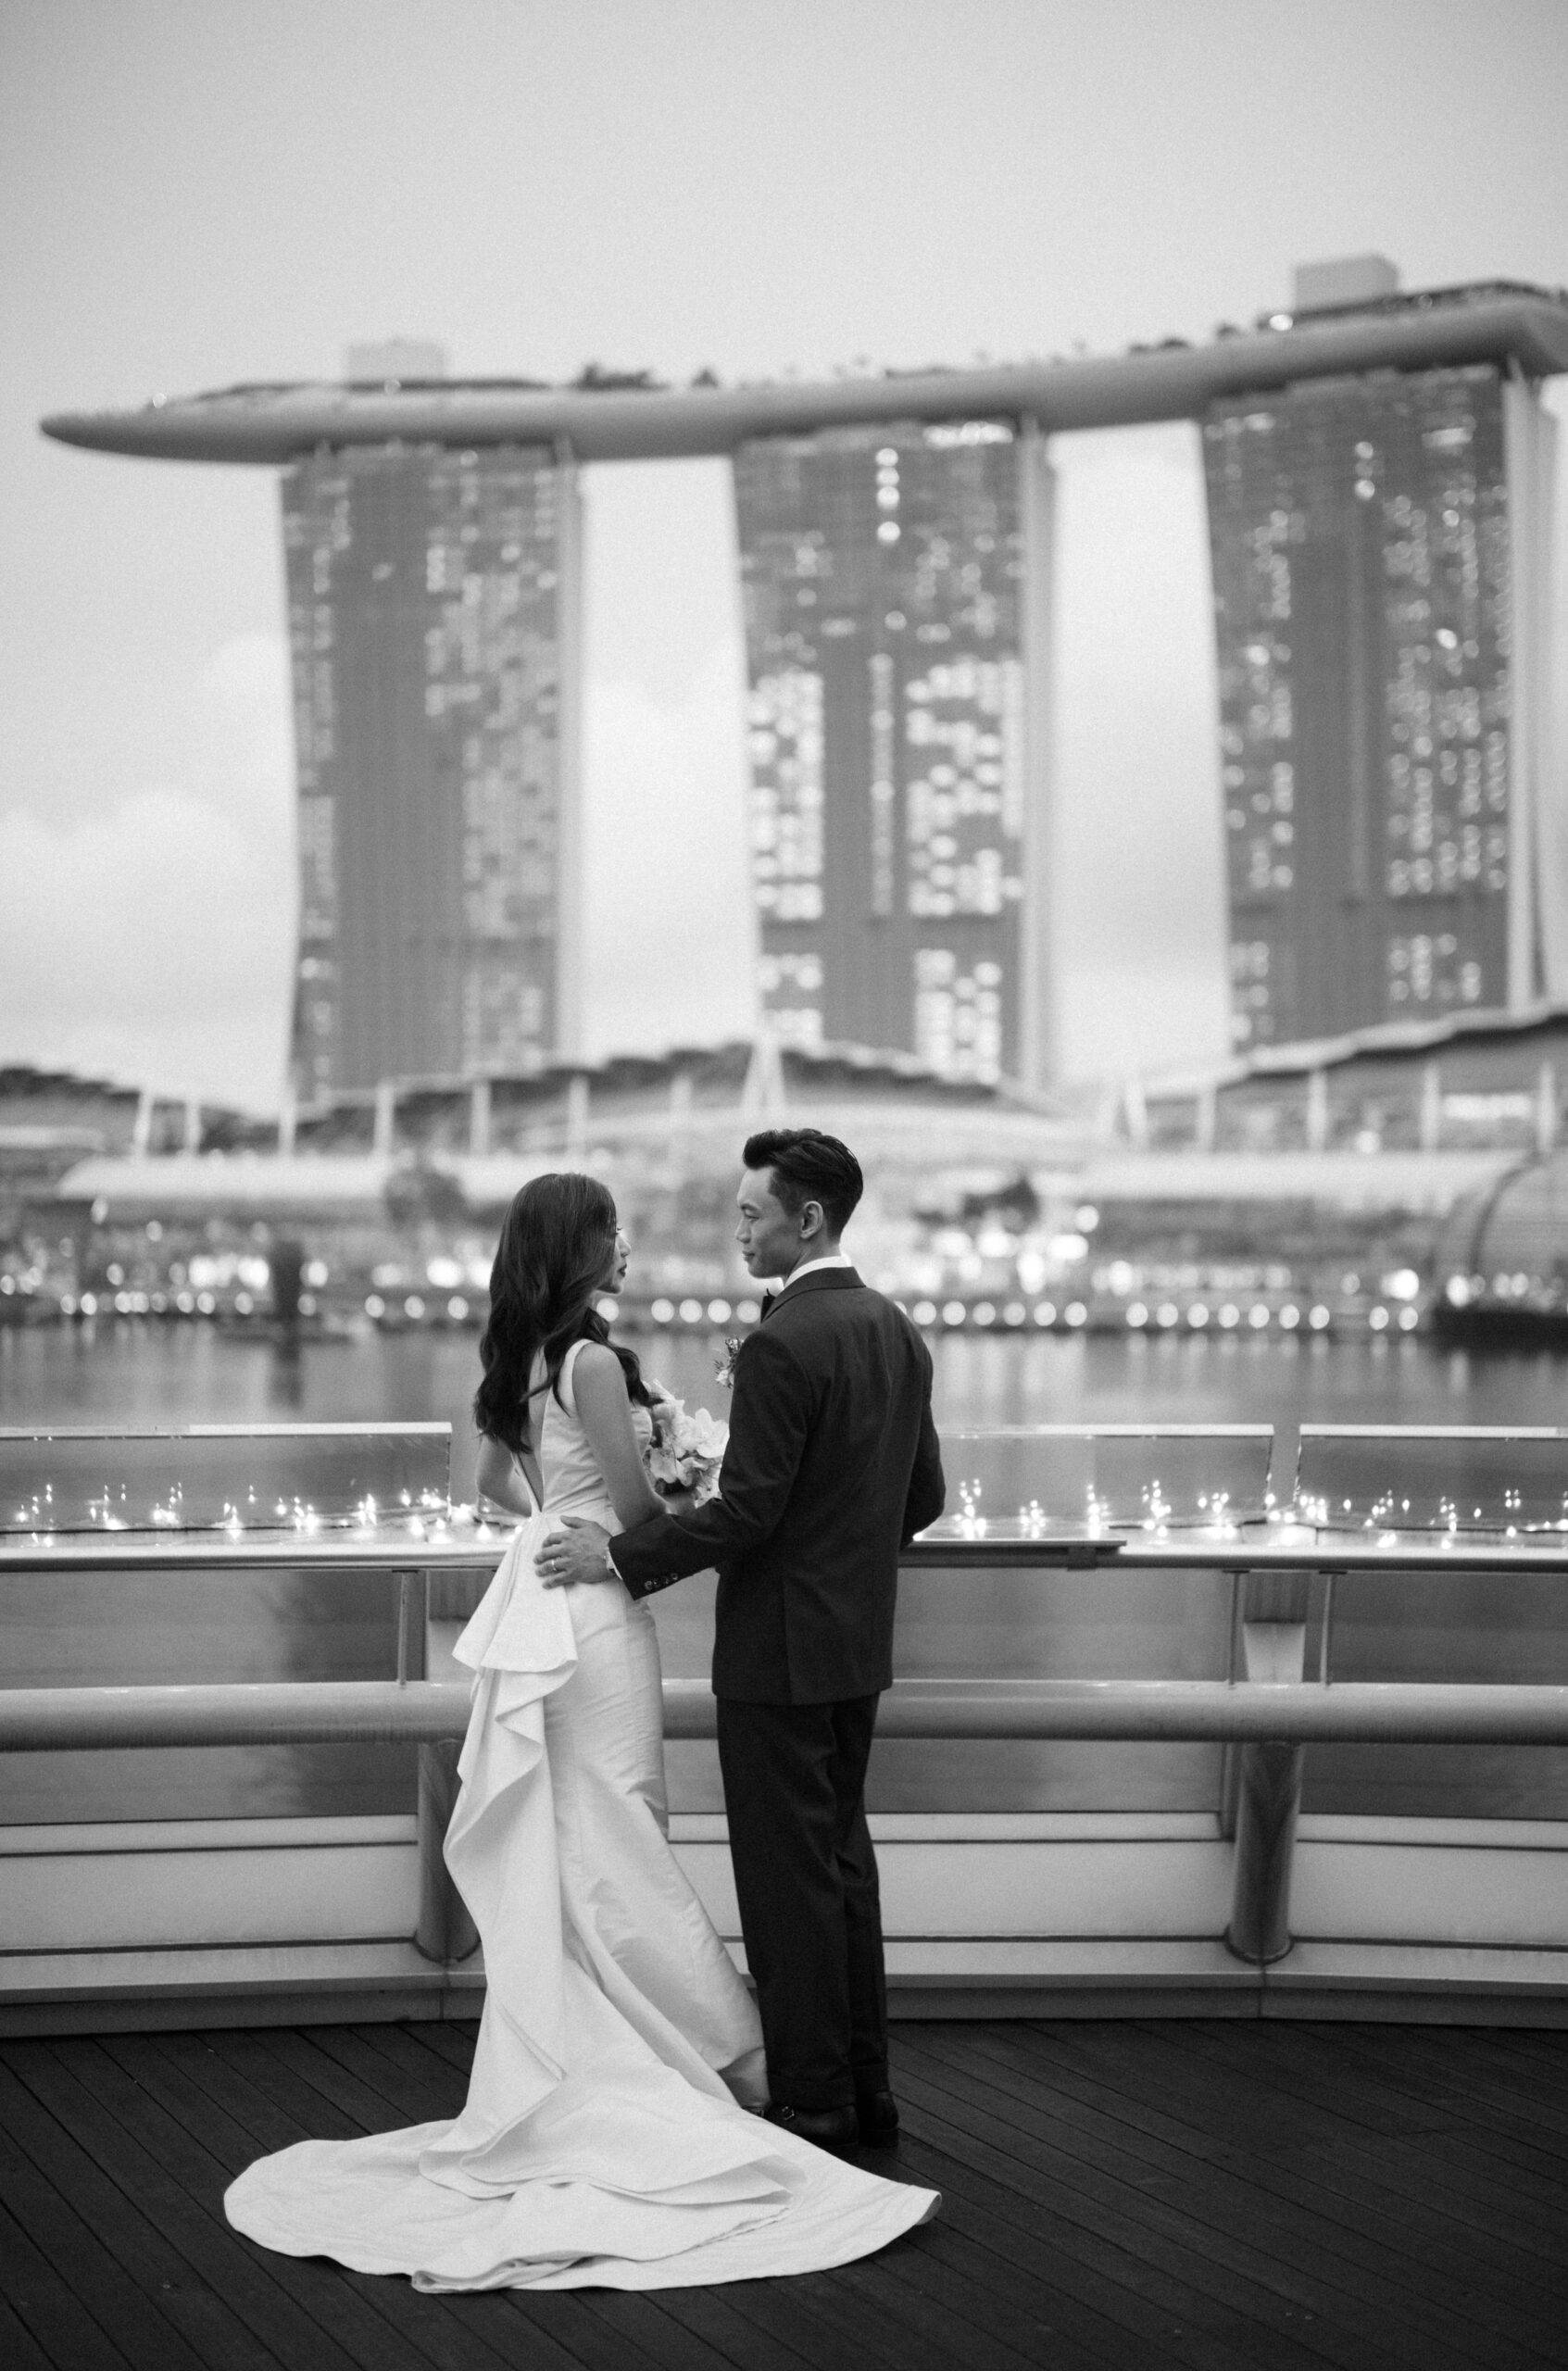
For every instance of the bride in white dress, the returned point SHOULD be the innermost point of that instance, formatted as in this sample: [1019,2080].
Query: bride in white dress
[610,2137]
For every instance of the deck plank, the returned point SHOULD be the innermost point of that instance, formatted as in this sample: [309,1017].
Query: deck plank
[1419,2091]
[643,2330]
[46,2303]
[1106,2288]
[410,2092]
[1513,2114]
[756,2336]
[210,2148]
[1117,2197]
[1423,2161]
[1238,2216]
[1019,2249]
[1001,2204]
[1006,2306]
[117,2261]
[1354,2178]
[1222,2229]
[1124,2244]
[20,2350]
[1477,2294]
[806,2316]
[77,2087]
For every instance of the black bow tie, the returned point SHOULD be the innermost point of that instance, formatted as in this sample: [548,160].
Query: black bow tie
[768,1301]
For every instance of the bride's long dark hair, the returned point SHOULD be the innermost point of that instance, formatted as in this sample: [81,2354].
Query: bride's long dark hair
[549,1266]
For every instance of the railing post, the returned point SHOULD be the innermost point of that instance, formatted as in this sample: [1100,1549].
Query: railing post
[1268,1797]
[446,1931]
[1230,1752]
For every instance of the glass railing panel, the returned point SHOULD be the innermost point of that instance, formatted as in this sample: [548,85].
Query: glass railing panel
[1502,1625]
[1109,1623]
[1031,1481]
[993,1621]
[1457,1478]
[296,1477]
[151,1626]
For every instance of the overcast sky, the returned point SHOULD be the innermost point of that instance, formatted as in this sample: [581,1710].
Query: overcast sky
[198,191]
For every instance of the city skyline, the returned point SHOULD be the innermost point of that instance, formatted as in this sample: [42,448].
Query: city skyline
[1376,489]
[637,218]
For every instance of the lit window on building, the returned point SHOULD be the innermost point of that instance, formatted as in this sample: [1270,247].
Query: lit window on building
[425,627]
[785,748]
[1361,539]
[881,575]
[963,727]
[957,1014]
[792,987]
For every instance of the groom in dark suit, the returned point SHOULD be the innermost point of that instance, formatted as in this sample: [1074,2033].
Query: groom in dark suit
[832,1465]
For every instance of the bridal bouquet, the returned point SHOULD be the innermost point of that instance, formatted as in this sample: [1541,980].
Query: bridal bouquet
[687,1448]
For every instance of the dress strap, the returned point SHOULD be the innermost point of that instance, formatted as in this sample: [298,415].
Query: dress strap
[567,1395]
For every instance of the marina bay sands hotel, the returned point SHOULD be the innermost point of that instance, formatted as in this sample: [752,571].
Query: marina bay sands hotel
[1378,469]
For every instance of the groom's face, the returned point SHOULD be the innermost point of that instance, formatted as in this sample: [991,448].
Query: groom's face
[769,1237]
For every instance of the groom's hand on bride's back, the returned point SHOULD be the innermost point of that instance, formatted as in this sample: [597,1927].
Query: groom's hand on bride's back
[576,1553]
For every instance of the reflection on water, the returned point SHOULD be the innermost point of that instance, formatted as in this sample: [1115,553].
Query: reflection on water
[128,1374]
[1066,1625]
[286,1376]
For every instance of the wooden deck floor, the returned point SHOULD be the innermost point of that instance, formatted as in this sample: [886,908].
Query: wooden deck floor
[1252,2196]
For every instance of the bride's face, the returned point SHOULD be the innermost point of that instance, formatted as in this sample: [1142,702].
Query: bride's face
[616,1257]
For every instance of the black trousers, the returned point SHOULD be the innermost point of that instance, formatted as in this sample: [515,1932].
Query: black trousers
[795,1778]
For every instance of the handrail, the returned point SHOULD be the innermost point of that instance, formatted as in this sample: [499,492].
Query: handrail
[1251,1547]
[1270,1720]
[1136,1711]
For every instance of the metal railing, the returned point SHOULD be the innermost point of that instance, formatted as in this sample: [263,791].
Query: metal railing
[1265,1711]
[1272,1721]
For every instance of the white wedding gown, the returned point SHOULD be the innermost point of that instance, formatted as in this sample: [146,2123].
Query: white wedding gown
[603,2142]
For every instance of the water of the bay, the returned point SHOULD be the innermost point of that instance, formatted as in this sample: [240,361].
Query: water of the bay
[1118,1623]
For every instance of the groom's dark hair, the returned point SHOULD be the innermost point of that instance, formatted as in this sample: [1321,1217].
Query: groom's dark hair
[809,1167]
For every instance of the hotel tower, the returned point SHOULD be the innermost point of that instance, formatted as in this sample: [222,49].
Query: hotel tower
[1379,471]
[1381,559]
[894,578]
[433,613]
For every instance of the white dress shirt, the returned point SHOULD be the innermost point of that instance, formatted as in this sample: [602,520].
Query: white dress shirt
[828,1259]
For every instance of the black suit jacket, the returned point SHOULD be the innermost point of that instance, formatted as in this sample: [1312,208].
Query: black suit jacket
[832,1465]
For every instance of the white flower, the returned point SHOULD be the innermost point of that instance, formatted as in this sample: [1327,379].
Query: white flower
[686,1449]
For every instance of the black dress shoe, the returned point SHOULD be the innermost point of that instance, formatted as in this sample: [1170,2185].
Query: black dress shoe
[877,2114]
[835,2129]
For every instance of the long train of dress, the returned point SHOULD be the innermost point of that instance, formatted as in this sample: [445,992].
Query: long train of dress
[601,2143]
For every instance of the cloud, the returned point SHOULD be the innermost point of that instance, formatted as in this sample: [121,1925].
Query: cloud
[151,939]
[152,944]
[240,745]
[154,940]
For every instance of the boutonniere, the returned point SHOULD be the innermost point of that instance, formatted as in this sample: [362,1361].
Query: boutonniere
[724,1368]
